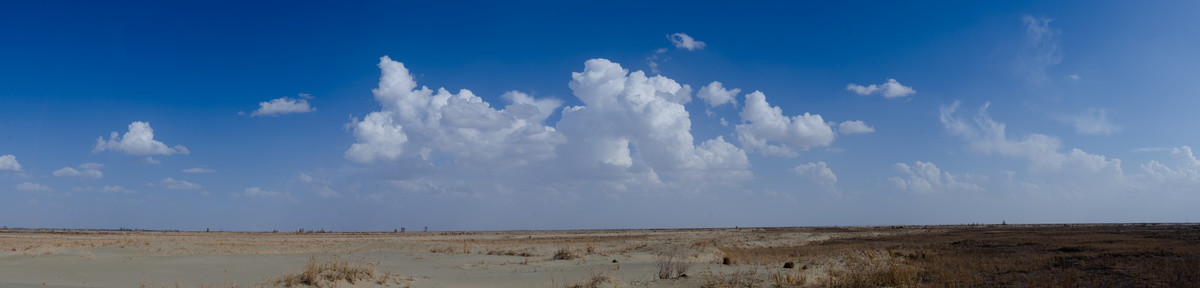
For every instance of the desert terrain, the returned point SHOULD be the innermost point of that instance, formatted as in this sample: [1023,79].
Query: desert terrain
[1091,255]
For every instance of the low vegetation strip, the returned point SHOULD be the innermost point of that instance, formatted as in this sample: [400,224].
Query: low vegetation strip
[999,256]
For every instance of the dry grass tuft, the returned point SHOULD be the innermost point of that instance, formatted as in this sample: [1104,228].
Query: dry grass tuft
[597,280]
[564,253]
[739,279]
[671,264]
[788,279]
[337,270]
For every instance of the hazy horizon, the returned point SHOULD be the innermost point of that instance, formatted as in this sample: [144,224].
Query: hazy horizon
[381,115]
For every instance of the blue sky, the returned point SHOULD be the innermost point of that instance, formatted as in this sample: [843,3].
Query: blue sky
[595,115]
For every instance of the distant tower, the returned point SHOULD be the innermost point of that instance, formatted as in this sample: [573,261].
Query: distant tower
[426,228]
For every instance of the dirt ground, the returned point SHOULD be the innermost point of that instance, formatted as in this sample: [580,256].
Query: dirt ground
[1093,255]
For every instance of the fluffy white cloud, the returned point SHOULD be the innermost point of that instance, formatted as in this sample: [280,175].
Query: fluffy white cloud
[9,164]
[626,112]
[683,41]
[281,106]
[1186,170]
[86,170]
[763,124]
[259,193]
[1042,151]
[139,140]
[926,178]
[889,89]
[854,127]
[715,94]
[417,122]
[173,184]
[379,138]
[818,172]
[199,170]
[1041,48]
[1092,121]
[150,160]
[33,187]
[630,131]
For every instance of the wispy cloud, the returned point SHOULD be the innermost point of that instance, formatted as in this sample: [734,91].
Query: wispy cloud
[86,170]
[1041,48]
[683,41]
[1093,121]
[889,89]
[285,105]
[33,187]
[199,170]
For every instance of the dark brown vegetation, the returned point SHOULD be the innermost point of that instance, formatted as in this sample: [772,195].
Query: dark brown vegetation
[1000,256]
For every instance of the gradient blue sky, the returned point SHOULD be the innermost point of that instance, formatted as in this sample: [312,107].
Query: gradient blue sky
[1025,112]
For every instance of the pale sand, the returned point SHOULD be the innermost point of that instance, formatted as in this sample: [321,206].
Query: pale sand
[442,259]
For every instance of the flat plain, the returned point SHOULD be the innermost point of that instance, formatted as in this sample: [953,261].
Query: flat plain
[1065,255]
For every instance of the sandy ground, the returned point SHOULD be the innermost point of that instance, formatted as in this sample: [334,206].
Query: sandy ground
[434,259]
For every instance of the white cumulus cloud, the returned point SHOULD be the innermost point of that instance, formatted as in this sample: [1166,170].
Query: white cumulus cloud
[715,94]
[417,121]
[9,164]
[683,41]
[854,127]
[818,172]
[281,106]
[763,124]
[139,140]
[889,89]
[86,170]
[926,178]
[1185,172]
[631,133]
[628,111]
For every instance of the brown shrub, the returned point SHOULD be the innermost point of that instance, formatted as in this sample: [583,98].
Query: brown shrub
[671,264]
[333,271]
[564,253]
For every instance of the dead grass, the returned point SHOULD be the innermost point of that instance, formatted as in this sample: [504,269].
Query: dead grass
[1008,256]
[334,271]
[595,281]
[738,279]
[564,253]
[672,263]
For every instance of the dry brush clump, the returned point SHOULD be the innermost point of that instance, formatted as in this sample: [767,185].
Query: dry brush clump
[672,263]
[334,271]
[564,253]
[597,280]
